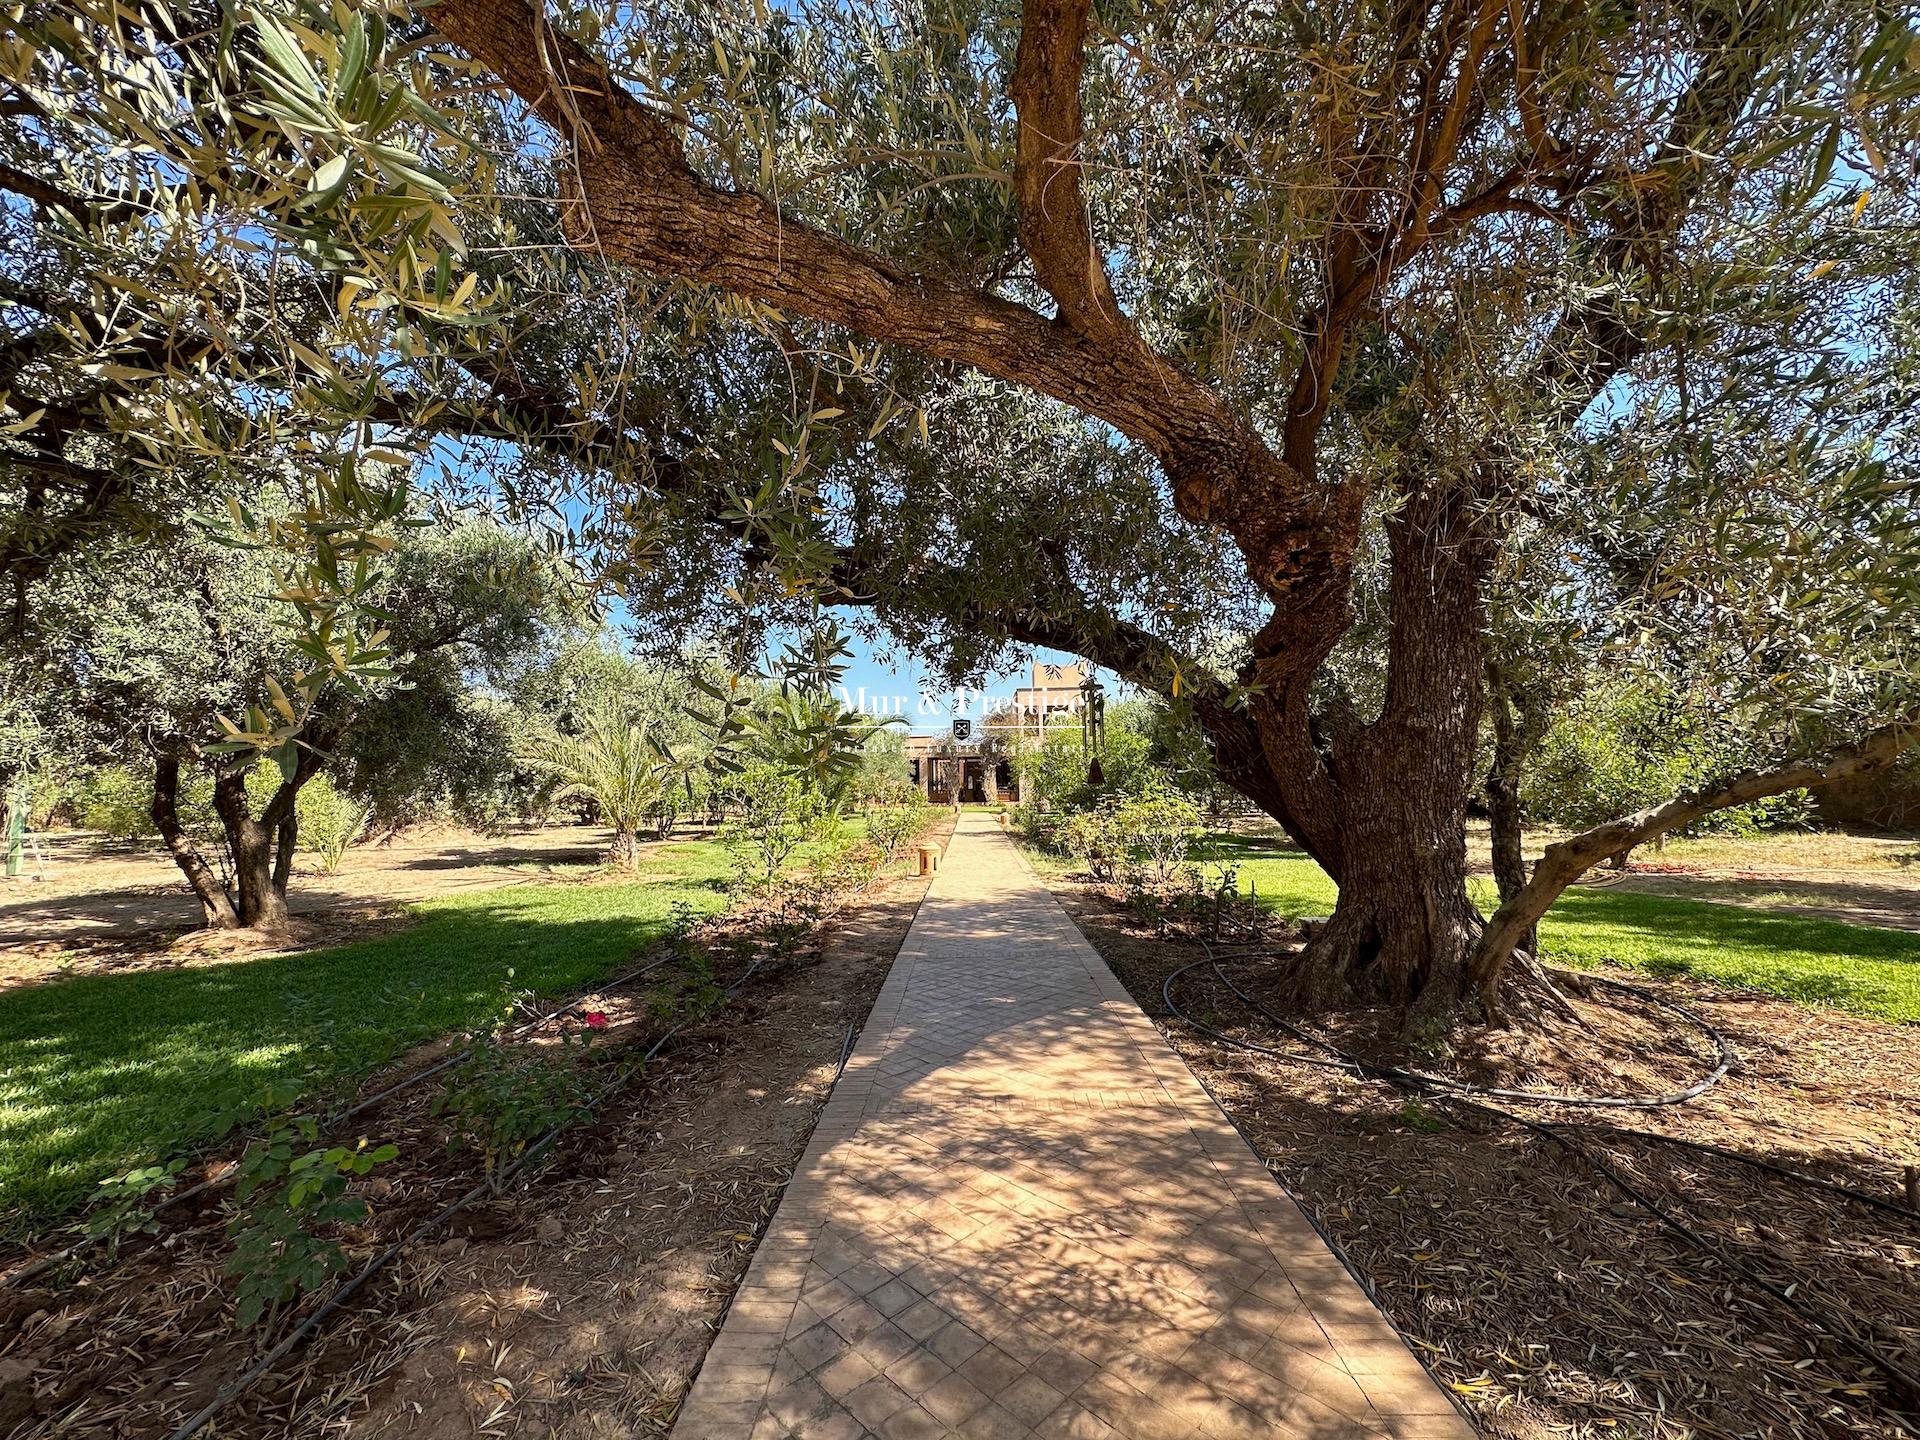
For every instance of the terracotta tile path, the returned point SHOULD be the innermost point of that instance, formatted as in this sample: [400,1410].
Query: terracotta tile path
[1021,1215]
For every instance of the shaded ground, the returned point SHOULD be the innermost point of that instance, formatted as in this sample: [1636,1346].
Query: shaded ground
[578,1305]
[1539,1293]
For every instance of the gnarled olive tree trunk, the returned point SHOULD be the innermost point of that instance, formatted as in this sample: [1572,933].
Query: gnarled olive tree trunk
[259,879]
[1389,795]
[216,905]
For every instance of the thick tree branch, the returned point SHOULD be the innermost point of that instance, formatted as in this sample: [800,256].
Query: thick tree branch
[41,192]
[1054,224]
[1567,860]
[634,197]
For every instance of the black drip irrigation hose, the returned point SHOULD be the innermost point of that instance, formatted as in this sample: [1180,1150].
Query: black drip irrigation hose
[227,1171]
[846,1052]
[245,1381]
[1862,1197]
[1448,1091]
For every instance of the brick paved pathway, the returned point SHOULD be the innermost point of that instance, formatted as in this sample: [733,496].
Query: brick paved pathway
[1021,1215]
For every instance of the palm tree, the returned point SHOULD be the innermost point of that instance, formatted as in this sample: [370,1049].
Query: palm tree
[613,762]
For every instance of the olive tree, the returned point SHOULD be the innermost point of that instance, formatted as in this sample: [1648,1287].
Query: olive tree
[1114,332]
[139,648]
[1351,278]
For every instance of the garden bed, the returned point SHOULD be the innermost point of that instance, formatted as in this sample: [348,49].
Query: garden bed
[1538,1292]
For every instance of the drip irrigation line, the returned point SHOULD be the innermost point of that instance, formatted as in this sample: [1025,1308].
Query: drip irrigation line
[1863,1197]
[846,1051]
[1449,1092]
[1906,1379]
[226,1172]
[245,1381]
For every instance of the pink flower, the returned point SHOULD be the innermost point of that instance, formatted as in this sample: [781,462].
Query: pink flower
[596,1019]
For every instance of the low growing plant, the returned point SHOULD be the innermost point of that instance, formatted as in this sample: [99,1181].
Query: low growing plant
[688,992]
[330,820]
[1155,833]
[666,813]
[289,1197]
[123,1205]
[1090,837]
[503,1096]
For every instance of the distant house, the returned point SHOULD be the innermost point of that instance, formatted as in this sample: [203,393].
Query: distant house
[980,768]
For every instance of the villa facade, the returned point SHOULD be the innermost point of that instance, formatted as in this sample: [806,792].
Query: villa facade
[979,768]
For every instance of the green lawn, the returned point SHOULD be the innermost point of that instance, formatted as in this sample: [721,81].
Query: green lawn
[1865,970]
[100,1072]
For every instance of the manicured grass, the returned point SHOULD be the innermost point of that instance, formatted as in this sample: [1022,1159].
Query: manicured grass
[1865,970]
[100,1072]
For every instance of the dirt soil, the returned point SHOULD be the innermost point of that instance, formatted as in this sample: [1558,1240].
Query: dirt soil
[1542,1295]
[102,906]
[577,1305]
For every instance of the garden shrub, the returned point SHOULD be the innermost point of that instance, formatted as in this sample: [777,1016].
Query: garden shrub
[776,816]
[503,1096]
[329,820]
[116,801]
[1056,769]
[665,814]
[1155,834]
[1090,837]
[289,1202]
[873,792]
[687,991]
[892,829]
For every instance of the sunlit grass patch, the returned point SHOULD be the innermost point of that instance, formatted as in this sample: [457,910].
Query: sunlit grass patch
[99,1072]
[1860,968]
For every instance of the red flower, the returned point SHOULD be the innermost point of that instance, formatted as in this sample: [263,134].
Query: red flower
[596,1019]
